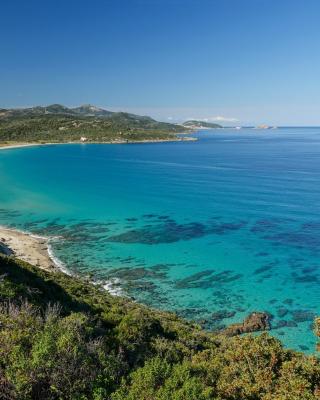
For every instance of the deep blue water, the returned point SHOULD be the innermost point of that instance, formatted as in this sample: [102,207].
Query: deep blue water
[228,223]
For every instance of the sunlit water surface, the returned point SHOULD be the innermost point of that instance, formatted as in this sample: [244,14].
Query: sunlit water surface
[229,223]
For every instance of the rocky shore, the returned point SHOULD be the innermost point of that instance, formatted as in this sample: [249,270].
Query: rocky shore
[254,322]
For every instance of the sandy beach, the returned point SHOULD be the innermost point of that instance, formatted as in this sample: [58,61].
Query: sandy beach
[6,146]
[17,145]
[26,247]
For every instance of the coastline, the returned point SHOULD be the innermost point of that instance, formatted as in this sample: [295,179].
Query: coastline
[36,250]
[33,249]
[7,146]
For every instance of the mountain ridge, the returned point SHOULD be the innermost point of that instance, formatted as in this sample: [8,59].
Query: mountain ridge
[86,110]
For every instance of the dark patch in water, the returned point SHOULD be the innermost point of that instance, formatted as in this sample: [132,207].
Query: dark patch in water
[218,316]
[305,278]
[207,279]
[195,280]
[192,312]
[303,315]
[149,216]
[311,226]
[262,254]
[307,270]
[281,312]
[83,232]
[161,267]
[262,226]
[170,232]
[262,269]
[131,274]
[142,286]
[285,324]
[128,260]
[299,239]
[10,213]
[268,276]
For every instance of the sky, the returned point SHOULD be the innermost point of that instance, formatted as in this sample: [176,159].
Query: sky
[237,62]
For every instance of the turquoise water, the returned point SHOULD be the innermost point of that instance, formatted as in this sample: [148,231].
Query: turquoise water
[229,223]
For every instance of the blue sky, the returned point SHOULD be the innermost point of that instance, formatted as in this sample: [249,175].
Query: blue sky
[247,61]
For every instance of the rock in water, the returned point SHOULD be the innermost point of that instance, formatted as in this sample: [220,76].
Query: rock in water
[256,321]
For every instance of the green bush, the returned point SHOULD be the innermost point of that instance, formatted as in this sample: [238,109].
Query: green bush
[64,338]
[47,356]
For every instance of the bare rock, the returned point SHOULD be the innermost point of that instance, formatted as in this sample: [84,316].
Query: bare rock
[254,322]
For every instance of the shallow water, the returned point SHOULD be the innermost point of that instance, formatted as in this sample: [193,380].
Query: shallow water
[229,223]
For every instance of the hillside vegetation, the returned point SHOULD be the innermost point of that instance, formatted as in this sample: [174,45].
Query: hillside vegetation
[63,338]
[195,124]
[57,123]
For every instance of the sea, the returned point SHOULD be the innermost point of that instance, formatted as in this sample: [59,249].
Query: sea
[212,229]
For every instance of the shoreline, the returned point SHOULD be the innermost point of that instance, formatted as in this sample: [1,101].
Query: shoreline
[7,146]
[35,250]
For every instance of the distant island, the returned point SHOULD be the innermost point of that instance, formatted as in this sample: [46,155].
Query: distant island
[194,124]
[87,123]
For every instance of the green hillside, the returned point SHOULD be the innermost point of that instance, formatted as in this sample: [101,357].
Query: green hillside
[194,124]
[63,338]
[57,123]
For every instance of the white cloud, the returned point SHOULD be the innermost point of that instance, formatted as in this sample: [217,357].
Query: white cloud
[217,118]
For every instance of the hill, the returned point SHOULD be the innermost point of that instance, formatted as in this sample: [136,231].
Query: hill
[63,338]
[57,123]
[194,124]
[85,110]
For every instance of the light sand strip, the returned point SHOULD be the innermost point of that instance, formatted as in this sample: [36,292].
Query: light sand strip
[33,249]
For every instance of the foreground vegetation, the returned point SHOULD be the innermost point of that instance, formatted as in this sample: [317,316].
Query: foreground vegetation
[63,338]
[57,123]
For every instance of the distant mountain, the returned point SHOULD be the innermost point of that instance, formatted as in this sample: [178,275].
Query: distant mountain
[52,109]
[35,111]
[88,109]
[56,122]
[194,124]
[85,110]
